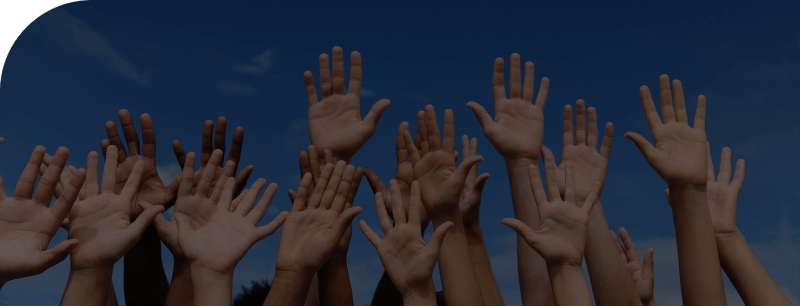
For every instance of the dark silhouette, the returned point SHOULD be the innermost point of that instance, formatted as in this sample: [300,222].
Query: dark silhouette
[255,295]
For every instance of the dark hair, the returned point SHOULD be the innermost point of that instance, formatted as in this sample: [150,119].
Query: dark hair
[255,295]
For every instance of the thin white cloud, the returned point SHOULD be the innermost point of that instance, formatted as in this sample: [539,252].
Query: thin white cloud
[259,65]
[82,39]
[239,89]
[168,172]
[296,137]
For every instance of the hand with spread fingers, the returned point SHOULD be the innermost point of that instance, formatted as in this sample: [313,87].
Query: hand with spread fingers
[440,181]
[28,221]
[642,275]
[102,225]
[561,236]
[408,260]
[218,144]
[470,201]
[152,189]
[580,149]
[517,131]
[334,122]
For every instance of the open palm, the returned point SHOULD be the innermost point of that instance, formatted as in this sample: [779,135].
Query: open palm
[678,155]
[27,225]
[335,122]
[517,131]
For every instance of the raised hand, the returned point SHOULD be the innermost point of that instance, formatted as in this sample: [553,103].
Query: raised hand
[316,224]
[561,236]
[408,260]
[218,144]
[678,155]
[580,149]
[335,121]
[470,201]
[102,221]
[440,181]
[517,130]
[28,224]
[152,189]
[642,275]
[723,192]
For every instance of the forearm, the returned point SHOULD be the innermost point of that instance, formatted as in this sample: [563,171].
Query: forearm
[459,282]
[111,298]
[533,281]
[334,282]
[181,291]
[312,298]
[145,279]
[698,263]
[753,283]
[611,281]
[386,293]
[569,286]
[87,287]
[483,268]
[288,288]
[211,287]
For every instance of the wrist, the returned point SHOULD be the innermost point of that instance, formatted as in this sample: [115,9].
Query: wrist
[420,294]
[295,278]
[453,215]
[473,231]
[202,275]
[522,163]
[338,260]
[92,273]
[565,267]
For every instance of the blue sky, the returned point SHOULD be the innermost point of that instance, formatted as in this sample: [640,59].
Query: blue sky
[73,68]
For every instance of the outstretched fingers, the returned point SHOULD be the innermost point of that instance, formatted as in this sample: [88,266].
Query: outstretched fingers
[258,212]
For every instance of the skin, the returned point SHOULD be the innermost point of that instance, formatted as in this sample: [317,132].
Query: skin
[28,222]
[334,122]
[748,276]
[679,158]
[517,132]
[561,236]
[102,225]
[408,260]
[212,237]
[612,284]
[441,184]
[642,275]
[311,233]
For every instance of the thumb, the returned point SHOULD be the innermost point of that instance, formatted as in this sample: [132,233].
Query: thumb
[483,117]
[343,222]
[376,112]
[647,269]
[480,182]
[522,229]
[49,258]
[374,181]
[136,229]
[466,164]
[292,195]
[643,144]
[437,239]
[162,225]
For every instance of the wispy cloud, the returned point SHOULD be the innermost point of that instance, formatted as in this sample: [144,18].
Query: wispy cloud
[80,38]
[236,88]
[168,172]
[259,65]
[296,136]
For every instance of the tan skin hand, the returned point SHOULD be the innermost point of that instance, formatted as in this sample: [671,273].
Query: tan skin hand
[517,131]
[152,189]
[27,224]
[440,181]
[723,192]
[580,149]
[678,155]
[102,222]
[470,201]
[334,122]
[642,275]
[408,260]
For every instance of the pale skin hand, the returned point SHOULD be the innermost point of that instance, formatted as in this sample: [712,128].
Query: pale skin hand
[334,122]
[470,201]
[218,144]
[152,189]
[408,260]
[561,235]
[102,222]
[28,223]
[642,275]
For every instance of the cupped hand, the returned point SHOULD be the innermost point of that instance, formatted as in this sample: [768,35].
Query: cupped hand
[678,155]
[152,189]
[580,149]
[440,181]
[561,236]
[102,221]
[335,121]
[316,224]
[517,131]
[218,144]
[28,222]
[642,275]
[408,260]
